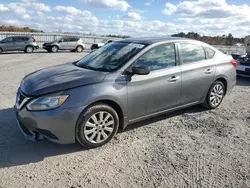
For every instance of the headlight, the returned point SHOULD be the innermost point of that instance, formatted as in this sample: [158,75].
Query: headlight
[47,102]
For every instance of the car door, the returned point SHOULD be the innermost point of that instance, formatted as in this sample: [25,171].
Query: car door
[7,44]
[67,44]
[159,90]
[18,43]
[63,43]
[197,72]
[72,43]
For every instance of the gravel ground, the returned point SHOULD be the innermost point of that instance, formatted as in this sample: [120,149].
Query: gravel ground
[188,148]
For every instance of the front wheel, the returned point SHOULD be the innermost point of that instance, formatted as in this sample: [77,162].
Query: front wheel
[215,95]
[97,126]
[54,49]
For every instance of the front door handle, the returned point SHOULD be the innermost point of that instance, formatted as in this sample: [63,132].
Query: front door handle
[174,78]
[209,71]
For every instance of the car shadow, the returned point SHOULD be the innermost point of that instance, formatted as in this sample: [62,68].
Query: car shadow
[243,81]
[16,151]
[193,109]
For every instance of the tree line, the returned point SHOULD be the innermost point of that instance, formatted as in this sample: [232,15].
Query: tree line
[213,40]
[228,40]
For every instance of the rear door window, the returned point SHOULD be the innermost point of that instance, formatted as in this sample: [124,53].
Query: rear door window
[191,53]
[18,39]
[73,39]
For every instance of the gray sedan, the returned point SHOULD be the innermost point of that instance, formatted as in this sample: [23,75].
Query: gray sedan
[119,84]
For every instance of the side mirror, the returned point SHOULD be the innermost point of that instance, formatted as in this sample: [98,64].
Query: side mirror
[141,70]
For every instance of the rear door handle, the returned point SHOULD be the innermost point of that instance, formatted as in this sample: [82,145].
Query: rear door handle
[174,78]
[209,71]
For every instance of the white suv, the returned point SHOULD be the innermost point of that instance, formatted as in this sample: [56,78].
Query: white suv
[65,43]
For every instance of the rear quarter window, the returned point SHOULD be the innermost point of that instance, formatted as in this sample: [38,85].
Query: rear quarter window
[209,52]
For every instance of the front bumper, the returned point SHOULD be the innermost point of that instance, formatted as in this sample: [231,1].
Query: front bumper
[56,125]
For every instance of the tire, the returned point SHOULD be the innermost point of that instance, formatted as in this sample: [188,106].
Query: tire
[54,49]
[89,129]
[29,49]
[215,95]
[79,49]
[1,50]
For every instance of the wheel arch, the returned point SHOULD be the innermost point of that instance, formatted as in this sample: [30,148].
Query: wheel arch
[115,106]
[29,46]
[224,81]
[83,47]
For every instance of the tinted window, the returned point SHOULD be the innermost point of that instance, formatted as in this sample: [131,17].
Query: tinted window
[210,53]
[191,53]
[19,39]
[74,39]
[7,40]
[160,57]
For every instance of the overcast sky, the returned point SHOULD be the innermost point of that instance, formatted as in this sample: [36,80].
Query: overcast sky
[130,17]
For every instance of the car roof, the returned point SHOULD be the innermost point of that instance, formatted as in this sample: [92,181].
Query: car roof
[152,40]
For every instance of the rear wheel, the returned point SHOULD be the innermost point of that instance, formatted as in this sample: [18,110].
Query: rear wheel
[54,49]
[29,49]
[79,49]
[1,50]
[97,126]
[215,95]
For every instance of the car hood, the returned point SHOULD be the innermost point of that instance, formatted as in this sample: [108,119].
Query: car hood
[100,44]
[59,78]
[49,43]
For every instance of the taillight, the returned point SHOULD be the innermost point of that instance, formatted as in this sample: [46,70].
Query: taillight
[233,62]
[34,40]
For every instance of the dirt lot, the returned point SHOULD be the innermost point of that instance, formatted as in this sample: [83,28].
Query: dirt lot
[189,148]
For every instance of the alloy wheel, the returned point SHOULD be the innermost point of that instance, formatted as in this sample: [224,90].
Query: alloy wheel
[29,49]
[216,95]
[54,49]
[99,127]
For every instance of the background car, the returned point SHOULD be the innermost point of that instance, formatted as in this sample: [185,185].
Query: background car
[65,43]
[100,44]
[18,43]
[243,66]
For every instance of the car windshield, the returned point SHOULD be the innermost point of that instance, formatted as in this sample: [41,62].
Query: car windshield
[104,41]
[110,57]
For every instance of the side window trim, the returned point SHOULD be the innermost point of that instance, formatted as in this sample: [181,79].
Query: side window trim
[180,55]
[177,62]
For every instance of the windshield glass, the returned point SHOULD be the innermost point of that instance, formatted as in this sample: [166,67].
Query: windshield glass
[104,41]
[110,57]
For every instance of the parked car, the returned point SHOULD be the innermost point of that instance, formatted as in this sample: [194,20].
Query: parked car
[100,44]
[119,84]
[65,43]
[243,66]
[18,43]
